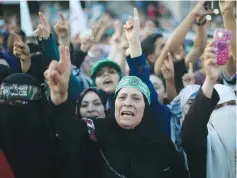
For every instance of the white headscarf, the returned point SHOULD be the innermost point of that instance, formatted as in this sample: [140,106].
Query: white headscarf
[221,145]
[221,141]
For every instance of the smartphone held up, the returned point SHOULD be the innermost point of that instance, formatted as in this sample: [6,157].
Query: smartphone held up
[222,39]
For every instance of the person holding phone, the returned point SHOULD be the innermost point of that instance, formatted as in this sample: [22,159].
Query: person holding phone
[227,8]
[208,128]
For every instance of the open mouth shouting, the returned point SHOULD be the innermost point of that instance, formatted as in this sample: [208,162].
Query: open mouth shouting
[107,82]
[127,114]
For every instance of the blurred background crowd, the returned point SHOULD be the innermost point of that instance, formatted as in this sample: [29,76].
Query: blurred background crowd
[172,43]
[156,16]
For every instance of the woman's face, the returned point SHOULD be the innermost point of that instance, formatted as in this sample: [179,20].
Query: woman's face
[159,87]
[186,109]
[91,106]
[107,79]
[129,108]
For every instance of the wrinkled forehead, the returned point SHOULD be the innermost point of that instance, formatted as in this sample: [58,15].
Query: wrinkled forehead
[130,91]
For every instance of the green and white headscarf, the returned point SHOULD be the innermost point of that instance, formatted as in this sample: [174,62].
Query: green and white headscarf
[136,83]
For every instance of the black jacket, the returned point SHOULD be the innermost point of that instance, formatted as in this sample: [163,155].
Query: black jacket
[135,153]
[26,141]
[194,133]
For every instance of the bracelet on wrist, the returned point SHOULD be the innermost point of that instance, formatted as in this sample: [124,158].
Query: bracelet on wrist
[202,21]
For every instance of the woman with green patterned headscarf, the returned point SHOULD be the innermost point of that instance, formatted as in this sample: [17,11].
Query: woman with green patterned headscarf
[129,145]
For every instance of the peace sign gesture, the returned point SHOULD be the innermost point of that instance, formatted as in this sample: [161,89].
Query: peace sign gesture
[43,29]
[58,75]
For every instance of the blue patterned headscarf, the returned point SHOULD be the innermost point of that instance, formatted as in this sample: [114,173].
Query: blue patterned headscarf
[176,108]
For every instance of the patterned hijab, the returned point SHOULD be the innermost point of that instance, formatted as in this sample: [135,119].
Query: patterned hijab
[176,108]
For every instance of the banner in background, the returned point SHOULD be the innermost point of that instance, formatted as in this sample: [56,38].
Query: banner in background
[26,24]
[78,21]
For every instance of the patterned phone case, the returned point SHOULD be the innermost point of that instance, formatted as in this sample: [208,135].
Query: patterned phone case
[221,42]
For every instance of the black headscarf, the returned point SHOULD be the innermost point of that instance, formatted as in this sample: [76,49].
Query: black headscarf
[98,91]
[4,72]
[24,133]
[140,152]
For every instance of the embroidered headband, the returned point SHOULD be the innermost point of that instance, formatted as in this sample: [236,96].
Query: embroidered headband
[134,82]
[19,92]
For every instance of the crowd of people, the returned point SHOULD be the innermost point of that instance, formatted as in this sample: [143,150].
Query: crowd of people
[143,108]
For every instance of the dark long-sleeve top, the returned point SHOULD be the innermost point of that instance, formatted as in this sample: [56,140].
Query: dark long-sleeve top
[194,132]
[11,60]
[78,58]
[139,68]
[26,140]
[179,70]
[50,51]
[38,66]
[130,153]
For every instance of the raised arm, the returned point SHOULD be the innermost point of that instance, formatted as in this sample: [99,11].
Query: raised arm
[168,72]
[33,65]
[50,51]
[212,74]
[199,44]
[177,37]
[46,42]
[63,109]
[70,135]
[212,69]
[22,52]
[136,61]
[227,10]
[138,67]
[117,42]
[194,128]
[58,75]
[101,27]
[86,43]
[62,30]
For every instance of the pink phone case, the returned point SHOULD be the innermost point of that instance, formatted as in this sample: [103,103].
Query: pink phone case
[221,42]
